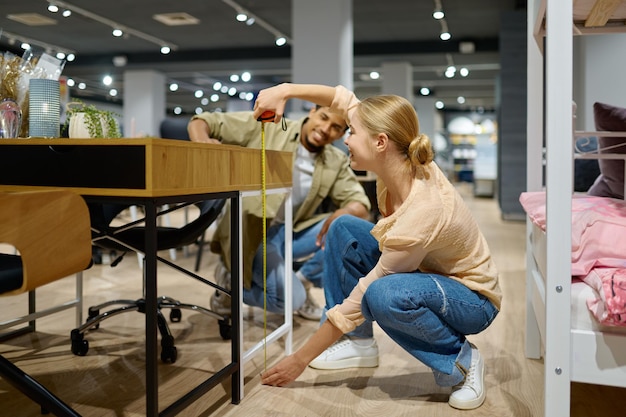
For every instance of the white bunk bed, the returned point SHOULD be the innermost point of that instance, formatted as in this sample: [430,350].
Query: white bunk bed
[573,350]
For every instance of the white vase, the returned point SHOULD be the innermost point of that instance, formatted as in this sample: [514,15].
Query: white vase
[78,127]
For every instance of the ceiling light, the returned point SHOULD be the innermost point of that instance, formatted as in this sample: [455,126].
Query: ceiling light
[224,89]
[424,91]
[199,110]
[204,101]
[67,13]
[70,82]
[250,21]
[217,85]
[117,33]
[120,60]
[438,13]
[232,91]
[82,86]
[439,104]
[460,99]
[374,75]
[280,41]
[198,93]
[165,50]
[246,76]
[107,80]
[234,78]
[464,72]
[70,57]
[60,55]
[53,8]
[242,17]
[113,92]
[445,36]
[25,45]
[215,97]
[178,110]
[173,87]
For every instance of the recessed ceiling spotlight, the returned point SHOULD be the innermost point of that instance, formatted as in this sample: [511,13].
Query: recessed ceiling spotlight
[234,78]
[246,76]
[70,57]
[117,32]
[165,50]
[464,72]
[198,93]
[438,14]
[439,104]
[445,36]
[280,41]
[217,85]
[67,13]
[178,110]
[242,17]
[173,87]
[53,8]
[107,80]
[374,75]
[424,91]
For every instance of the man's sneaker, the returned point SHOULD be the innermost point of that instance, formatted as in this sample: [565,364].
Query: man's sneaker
[470,393]
[346,353]
[310,310]
[220,301]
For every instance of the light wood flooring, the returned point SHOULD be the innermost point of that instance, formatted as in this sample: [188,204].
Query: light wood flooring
[109,380]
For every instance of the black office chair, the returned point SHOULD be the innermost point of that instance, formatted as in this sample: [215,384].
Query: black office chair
[130,238]
[50,230]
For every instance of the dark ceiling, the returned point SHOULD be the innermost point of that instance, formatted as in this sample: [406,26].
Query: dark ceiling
[217,45]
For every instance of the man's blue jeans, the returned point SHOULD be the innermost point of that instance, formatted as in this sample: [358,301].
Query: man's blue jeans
[428,315]
[303,246]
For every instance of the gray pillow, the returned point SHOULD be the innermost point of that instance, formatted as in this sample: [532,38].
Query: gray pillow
[610,182]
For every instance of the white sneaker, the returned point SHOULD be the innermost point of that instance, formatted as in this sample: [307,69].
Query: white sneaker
[470,393]
[310,310]
[220,301]
[345,353]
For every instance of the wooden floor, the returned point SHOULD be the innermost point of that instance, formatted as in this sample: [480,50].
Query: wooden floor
[109,380]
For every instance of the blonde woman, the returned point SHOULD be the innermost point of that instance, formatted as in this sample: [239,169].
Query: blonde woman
[424,272]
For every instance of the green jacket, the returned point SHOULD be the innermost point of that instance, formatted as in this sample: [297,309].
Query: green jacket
[332,177]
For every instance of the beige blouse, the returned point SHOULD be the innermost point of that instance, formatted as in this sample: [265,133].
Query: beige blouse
[433,231]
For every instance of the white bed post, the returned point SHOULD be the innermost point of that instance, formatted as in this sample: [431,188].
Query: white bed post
[534,166]
[559,163]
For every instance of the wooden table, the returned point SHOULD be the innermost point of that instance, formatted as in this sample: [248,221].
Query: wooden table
[153,172]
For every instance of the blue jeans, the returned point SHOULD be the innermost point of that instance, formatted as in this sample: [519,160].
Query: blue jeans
[303,246]
[427,314]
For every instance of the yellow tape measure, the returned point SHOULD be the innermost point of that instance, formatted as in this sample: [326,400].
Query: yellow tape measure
[265,117]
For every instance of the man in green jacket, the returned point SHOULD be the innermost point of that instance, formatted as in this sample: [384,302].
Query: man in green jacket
[321,173]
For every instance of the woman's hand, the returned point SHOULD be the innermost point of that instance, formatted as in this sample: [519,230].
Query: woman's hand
[284,372]
[273,99]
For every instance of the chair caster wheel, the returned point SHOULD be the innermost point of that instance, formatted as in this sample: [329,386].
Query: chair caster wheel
[175,315]
[169,353]
[225,329]
[92,314]
[80,346]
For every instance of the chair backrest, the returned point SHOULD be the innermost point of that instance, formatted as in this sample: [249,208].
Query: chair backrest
[51,232]
[167,237]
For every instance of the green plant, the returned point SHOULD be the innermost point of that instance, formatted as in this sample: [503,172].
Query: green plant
[99,123]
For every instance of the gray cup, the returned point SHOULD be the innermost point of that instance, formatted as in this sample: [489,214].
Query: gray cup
[10,118]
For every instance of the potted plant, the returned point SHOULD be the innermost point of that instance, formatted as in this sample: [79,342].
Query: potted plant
[87,121]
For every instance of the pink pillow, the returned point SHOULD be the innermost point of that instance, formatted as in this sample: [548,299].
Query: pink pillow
[598,229]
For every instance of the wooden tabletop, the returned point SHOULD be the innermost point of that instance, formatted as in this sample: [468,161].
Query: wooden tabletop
[137,167]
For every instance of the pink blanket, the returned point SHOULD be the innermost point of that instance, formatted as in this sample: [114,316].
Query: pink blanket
[598,248]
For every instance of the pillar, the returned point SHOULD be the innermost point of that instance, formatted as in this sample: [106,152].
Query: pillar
[144,102]
[322,49]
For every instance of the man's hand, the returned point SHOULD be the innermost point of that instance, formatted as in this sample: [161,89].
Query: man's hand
[284,372]
[354,208]
[198,131]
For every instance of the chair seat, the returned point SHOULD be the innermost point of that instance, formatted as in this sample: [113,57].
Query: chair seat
[11,272]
